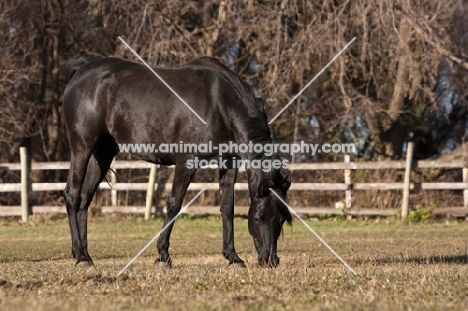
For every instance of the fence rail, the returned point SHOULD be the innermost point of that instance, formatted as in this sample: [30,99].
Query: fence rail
[344,207]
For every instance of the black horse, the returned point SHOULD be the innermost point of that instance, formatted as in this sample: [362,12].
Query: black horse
[111,101]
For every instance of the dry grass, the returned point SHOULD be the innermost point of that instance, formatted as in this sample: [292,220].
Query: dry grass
[400,266]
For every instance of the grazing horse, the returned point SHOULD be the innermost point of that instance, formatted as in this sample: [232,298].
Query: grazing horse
[113,101]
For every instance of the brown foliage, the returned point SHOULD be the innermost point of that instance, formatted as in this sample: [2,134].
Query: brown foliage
[383,77]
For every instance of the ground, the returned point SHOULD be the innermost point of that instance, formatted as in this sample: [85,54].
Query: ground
[400,266]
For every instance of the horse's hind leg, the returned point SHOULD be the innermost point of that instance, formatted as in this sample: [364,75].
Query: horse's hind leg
[76,176]
[77,205]
[227,179]
[99,163]
[182,178]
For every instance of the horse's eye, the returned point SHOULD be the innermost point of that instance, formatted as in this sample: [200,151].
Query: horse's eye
[257,218]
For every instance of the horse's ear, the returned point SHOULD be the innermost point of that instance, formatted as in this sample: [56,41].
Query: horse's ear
[286,183]
[263,187]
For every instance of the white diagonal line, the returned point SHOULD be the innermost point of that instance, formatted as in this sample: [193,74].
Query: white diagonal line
[159,233]
[164,82]
[315,233]
[313,79]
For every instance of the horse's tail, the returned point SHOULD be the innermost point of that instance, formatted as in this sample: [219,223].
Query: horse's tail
[73,65]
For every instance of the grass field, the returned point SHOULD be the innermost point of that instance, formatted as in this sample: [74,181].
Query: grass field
[400,266]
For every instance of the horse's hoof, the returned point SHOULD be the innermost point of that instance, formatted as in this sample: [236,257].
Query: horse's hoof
[237,265]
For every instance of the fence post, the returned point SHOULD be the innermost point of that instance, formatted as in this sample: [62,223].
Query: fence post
[24,183]
[347,178]
[150,190]
[465,192]
[113,180]
[406,186]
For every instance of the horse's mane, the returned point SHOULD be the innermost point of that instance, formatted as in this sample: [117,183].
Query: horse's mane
[277,180]
[282,209]
[214,63]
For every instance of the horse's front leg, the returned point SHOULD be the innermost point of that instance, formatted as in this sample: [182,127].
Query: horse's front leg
[182,178]
[227,179]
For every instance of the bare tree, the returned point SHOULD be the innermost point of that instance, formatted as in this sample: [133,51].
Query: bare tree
[378,93]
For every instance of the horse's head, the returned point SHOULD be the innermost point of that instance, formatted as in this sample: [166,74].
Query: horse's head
[267,215]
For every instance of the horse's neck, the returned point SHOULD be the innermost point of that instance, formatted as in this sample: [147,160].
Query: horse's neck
[251,126]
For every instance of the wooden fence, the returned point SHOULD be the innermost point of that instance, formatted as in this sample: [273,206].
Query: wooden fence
[342,208]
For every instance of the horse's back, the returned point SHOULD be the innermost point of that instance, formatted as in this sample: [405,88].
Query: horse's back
[125,99]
